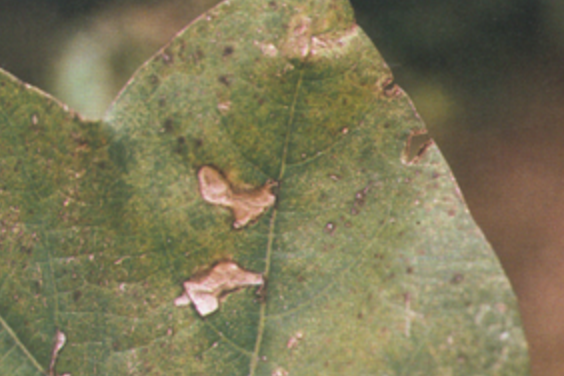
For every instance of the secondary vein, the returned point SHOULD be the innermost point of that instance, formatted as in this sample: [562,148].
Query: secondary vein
[262,313]
[21,345]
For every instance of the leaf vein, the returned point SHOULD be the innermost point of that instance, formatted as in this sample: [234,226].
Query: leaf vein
[268,257]
[19,344]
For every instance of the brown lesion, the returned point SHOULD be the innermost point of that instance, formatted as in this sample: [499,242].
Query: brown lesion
[246,205]
[416,145]
[58,344]
[205,291]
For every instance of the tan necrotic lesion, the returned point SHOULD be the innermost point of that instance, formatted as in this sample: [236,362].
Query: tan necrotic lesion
[205,292]
[247,205]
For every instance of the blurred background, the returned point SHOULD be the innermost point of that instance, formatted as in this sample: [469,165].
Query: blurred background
[487,76]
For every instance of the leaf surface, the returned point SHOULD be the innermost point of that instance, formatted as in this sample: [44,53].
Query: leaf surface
[372,266]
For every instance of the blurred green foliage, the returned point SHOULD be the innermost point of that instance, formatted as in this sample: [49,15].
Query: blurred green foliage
[65,46]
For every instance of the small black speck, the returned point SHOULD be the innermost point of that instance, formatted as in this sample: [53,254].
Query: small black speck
[77,295]
[273,5]
[181,140]
[198,142]
[228,50]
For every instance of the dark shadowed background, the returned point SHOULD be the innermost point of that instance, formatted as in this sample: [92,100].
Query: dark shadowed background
[487,76]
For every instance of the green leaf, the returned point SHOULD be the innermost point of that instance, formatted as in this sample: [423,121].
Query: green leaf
[368,262]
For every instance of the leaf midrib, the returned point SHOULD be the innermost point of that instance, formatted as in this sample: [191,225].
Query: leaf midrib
[262,314]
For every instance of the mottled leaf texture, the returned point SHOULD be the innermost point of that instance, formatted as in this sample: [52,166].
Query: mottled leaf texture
[370,261]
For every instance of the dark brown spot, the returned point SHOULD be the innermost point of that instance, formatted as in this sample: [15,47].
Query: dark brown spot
[77,295]
[182,47]
[273,5]
[224,80]
[228,50]
[199,55]
[168,125]
[457,278]
[198,142]
[162,102]
[409,270]
[181,140]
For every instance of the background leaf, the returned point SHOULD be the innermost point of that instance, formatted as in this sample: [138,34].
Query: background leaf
[373,266]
